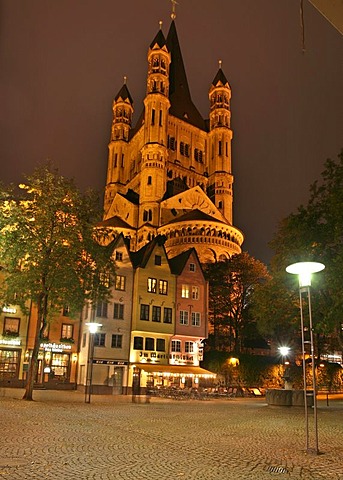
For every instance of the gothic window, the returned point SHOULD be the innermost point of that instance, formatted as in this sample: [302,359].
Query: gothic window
[163,65]
[153,117]
[226,149]
[160,119]
[115,159]
[172,143]
[220,148]
[155,64]
[220,204]
[149,180]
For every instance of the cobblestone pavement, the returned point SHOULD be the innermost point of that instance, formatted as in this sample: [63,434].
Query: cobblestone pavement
[58,436]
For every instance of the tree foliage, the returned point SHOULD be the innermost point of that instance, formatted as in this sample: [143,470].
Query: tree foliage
[313,233]
[232,283]
[49,250]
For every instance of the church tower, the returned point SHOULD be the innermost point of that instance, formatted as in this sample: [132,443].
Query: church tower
[171,173]
[220,176]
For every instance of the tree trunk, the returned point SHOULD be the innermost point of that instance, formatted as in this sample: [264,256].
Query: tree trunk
[32,372]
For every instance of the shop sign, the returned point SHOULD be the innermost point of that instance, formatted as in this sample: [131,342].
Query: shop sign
[109,362]
[10,343]
[55,347]
[9,309]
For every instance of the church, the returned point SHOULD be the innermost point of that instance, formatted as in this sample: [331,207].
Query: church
[170,174]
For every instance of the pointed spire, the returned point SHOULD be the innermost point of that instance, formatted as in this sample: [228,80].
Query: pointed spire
[220,77]
[124,93]
[159,38]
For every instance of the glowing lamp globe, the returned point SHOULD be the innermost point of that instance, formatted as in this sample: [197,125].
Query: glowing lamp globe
[304,271]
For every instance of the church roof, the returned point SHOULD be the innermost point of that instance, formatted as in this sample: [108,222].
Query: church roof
[196,215]
[182,105]
[220,77]
[124,94]
[114,222]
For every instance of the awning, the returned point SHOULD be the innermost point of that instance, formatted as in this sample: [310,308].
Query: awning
[177,369]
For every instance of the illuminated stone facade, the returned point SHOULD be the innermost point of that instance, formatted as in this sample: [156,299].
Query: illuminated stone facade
[171,174]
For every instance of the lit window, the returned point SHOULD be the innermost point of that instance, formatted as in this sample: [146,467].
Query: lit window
[67,331]
[11,326]
[163,287]
[118,311]
[176,346]
[195,293]
[117,341]
[185,291]
[195,319]
[152,285]
[119,256]
[119,282]
[183,317]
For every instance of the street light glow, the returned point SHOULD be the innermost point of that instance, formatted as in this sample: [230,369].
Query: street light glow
[304,271]
[284,351]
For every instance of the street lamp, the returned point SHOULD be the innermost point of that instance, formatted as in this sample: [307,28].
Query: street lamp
[304,271]
[92,328]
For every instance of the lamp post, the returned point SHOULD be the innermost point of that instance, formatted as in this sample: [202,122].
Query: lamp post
[284,352]
[92,328]
[304,271]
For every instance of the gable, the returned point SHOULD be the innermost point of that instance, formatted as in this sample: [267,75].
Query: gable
[124,209]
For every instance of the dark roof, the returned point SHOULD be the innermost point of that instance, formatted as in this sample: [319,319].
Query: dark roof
[114,222]
[159,39]
[177,264]
[124,94]
[220,77]
[182,106]
[131,196]
[195,215]
[141,257]
[174,187]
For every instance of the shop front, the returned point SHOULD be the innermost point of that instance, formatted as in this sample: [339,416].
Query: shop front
[11,362]
[56,366]
[182,377]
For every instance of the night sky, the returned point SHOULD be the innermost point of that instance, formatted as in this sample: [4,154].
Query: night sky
[63,61]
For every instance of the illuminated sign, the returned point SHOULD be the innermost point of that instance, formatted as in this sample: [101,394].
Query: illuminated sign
[9,310]
[55,347]
[11,343]
[109,362]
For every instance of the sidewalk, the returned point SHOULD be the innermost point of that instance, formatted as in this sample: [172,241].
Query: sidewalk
[58,436]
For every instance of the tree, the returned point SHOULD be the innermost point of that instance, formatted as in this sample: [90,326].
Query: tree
[313,233]
[232,283]
[49,250]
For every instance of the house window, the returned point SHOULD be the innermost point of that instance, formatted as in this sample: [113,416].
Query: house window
[105,279]
[195,319]
[176,346]
[144,312]
[189,347]
[101,309]
[117,341]
[195,293]
[156,314]
[99,339]
[163,287]
[185,291]
[167,315]
[67,331]
[11,326]
[158,260]
[66,311]
[118,311]
[152,285]
[160,345]
[138,343]
[119,256]
[192,267]
[119,282]
[183,317]
[149,343]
